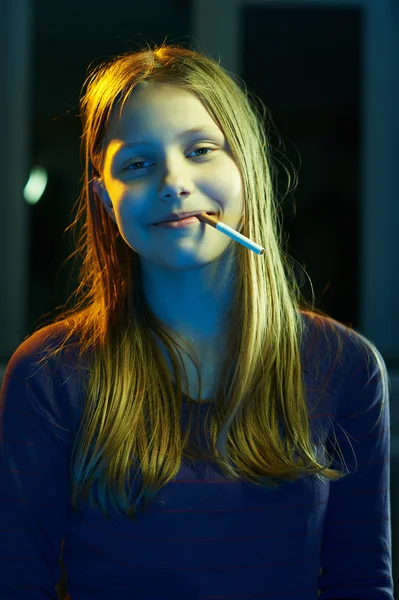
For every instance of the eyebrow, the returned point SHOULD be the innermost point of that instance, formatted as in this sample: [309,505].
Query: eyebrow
[182,134]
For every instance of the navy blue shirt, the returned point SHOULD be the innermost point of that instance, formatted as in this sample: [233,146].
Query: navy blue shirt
[205,536]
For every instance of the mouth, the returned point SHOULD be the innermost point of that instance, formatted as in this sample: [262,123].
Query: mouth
[179,223]
[193,218]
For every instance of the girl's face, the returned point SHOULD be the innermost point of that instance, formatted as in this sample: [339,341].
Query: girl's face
[154,166]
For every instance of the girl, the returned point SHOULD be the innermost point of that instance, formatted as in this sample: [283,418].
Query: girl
[180,325]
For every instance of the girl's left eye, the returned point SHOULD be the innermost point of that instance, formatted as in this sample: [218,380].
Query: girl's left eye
[143,161]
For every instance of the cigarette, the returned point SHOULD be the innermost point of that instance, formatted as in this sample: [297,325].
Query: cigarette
[235,235]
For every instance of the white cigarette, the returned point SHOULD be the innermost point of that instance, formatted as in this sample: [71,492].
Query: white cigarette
[235,235]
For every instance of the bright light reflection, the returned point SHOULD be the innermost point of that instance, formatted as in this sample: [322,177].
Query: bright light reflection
[36,185]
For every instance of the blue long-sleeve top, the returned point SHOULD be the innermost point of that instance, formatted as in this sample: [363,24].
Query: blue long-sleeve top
[206,536]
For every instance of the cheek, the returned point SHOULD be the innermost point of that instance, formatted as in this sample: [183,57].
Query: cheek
[237,186]
[225,177]
[234,188]
[235,201]
[116,188]
[125,202]
[233,177]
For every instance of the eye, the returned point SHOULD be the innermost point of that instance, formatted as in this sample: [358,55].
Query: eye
[146,161]
[202,148]
[136,163]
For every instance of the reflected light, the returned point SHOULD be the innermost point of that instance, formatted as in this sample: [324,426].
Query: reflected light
[36,185]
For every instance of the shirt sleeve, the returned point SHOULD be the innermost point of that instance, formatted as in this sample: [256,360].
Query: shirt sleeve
[356,560]
[34,477]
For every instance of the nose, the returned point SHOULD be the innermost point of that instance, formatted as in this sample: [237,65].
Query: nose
[176,181]
[176,187]
[175,193]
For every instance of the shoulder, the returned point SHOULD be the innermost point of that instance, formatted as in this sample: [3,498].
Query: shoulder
[38,383]
[36,344]
[35,353]
[335,354]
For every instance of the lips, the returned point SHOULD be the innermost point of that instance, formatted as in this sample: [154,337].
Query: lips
[179,223]
[183,216]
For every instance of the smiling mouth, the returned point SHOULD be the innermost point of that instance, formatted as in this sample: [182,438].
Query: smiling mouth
[191,218]
[176,223]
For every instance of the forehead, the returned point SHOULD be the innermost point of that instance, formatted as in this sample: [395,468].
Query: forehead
[154,107]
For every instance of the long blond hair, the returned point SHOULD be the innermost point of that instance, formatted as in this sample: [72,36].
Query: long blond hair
[132,411]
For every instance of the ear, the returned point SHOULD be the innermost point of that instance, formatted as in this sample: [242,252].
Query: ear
[98,187]
[102,193]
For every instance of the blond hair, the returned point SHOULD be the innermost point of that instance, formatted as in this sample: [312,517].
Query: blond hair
[132,412]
